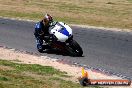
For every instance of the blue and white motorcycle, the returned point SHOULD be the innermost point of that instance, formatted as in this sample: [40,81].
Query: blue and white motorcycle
[63,39]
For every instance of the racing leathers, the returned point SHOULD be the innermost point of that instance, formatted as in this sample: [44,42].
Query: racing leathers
[41,33]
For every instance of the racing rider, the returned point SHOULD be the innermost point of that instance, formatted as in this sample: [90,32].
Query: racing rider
[42,32]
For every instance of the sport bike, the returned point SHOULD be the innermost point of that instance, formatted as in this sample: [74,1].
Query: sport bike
[62,39]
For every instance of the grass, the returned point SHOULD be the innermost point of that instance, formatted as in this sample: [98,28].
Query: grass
[107,13]
[32,76]
[14,75]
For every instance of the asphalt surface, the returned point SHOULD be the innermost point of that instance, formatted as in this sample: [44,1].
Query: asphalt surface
[102,49]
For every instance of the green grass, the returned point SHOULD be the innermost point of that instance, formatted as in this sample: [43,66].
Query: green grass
[24,15]
[33,76]
[38,69]
[130,1]
[113,13]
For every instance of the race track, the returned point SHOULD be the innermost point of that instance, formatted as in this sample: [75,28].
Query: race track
[102,49]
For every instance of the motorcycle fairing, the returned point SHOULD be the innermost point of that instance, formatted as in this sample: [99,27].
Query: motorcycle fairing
[61,31]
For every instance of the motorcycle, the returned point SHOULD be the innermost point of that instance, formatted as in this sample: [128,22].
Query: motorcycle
[62,39]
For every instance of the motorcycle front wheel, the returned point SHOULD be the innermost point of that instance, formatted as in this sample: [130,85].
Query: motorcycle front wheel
[74,49]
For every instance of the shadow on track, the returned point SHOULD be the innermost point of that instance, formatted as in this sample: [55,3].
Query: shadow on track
[58,52]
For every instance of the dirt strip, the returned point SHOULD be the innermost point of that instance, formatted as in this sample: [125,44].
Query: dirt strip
[75,72]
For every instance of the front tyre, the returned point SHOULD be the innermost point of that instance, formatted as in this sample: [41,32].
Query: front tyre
[74,48]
